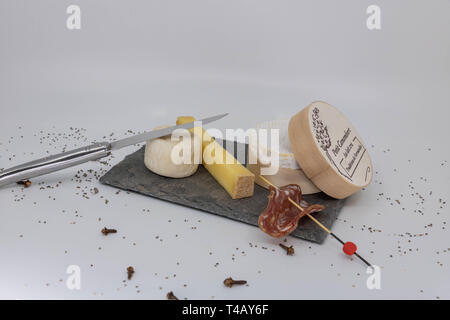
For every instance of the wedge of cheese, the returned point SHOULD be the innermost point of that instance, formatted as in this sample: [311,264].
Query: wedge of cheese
[237,180]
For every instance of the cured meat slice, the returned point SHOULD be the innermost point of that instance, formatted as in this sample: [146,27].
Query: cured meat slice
[281,216]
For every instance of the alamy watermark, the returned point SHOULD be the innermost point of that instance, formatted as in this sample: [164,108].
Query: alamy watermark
[73,281]
[73,21]
[374,280]
[373,21]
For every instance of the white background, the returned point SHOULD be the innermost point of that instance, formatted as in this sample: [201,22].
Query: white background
[135,65]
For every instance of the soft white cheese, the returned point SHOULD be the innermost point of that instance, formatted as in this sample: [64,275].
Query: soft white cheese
[164,156]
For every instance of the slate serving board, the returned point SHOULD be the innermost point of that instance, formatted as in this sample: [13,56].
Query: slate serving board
[201,191]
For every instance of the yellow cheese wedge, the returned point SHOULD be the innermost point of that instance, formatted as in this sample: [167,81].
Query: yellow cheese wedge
[237,180]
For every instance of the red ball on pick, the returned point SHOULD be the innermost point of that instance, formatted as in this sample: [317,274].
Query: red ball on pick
[349,248]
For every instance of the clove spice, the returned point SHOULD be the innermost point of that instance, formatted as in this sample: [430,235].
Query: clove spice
[130,272]
[171,296]
[289,250]
[107,231]
[229,282]
[26,183]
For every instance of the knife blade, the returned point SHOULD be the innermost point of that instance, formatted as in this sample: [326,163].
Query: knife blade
[159,133]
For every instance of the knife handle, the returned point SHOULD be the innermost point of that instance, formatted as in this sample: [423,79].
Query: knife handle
[54,163]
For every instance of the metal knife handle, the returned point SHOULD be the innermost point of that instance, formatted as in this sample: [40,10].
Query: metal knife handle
[54,163]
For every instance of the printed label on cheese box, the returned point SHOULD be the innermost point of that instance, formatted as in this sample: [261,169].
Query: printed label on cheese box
[340,144]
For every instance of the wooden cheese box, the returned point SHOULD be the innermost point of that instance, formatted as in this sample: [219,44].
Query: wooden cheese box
[329,150]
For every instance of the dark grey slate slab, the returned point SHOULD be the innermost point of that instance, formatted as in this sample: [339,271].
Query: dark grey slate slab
[201,191]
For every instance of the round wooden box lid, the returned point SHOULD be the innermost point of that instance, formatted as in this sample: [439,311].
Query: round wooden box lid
[329,150]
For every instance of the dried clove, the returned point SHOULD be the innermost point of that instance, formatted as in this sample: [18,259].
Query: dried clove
[229,282]
[171,296]
[26,183]
[289,250]
[130,272]
[107,231]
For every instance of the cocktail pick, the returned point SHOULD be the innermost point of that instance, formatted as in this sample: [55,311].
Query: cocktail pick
[349,248]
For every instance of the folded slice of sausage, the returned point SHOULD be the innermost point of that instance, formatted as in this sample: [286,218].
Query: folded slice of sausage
[281,216]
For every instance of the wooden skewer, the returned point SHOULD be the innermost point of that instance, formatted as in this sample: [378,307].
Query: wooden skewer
[317,222]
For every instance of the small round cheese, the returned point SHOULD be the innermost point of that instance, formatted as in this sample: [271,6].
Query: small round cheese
[164,155]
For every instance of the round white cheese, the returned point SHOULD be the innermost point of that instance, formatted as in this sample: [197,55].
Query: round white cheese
[164,155]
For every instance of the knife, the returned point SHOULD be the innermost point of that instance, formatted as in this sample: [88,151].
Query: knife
[89,153]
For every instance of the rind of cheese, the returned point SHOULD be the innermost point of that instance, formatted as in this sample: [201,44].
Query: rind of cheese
[237,180]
